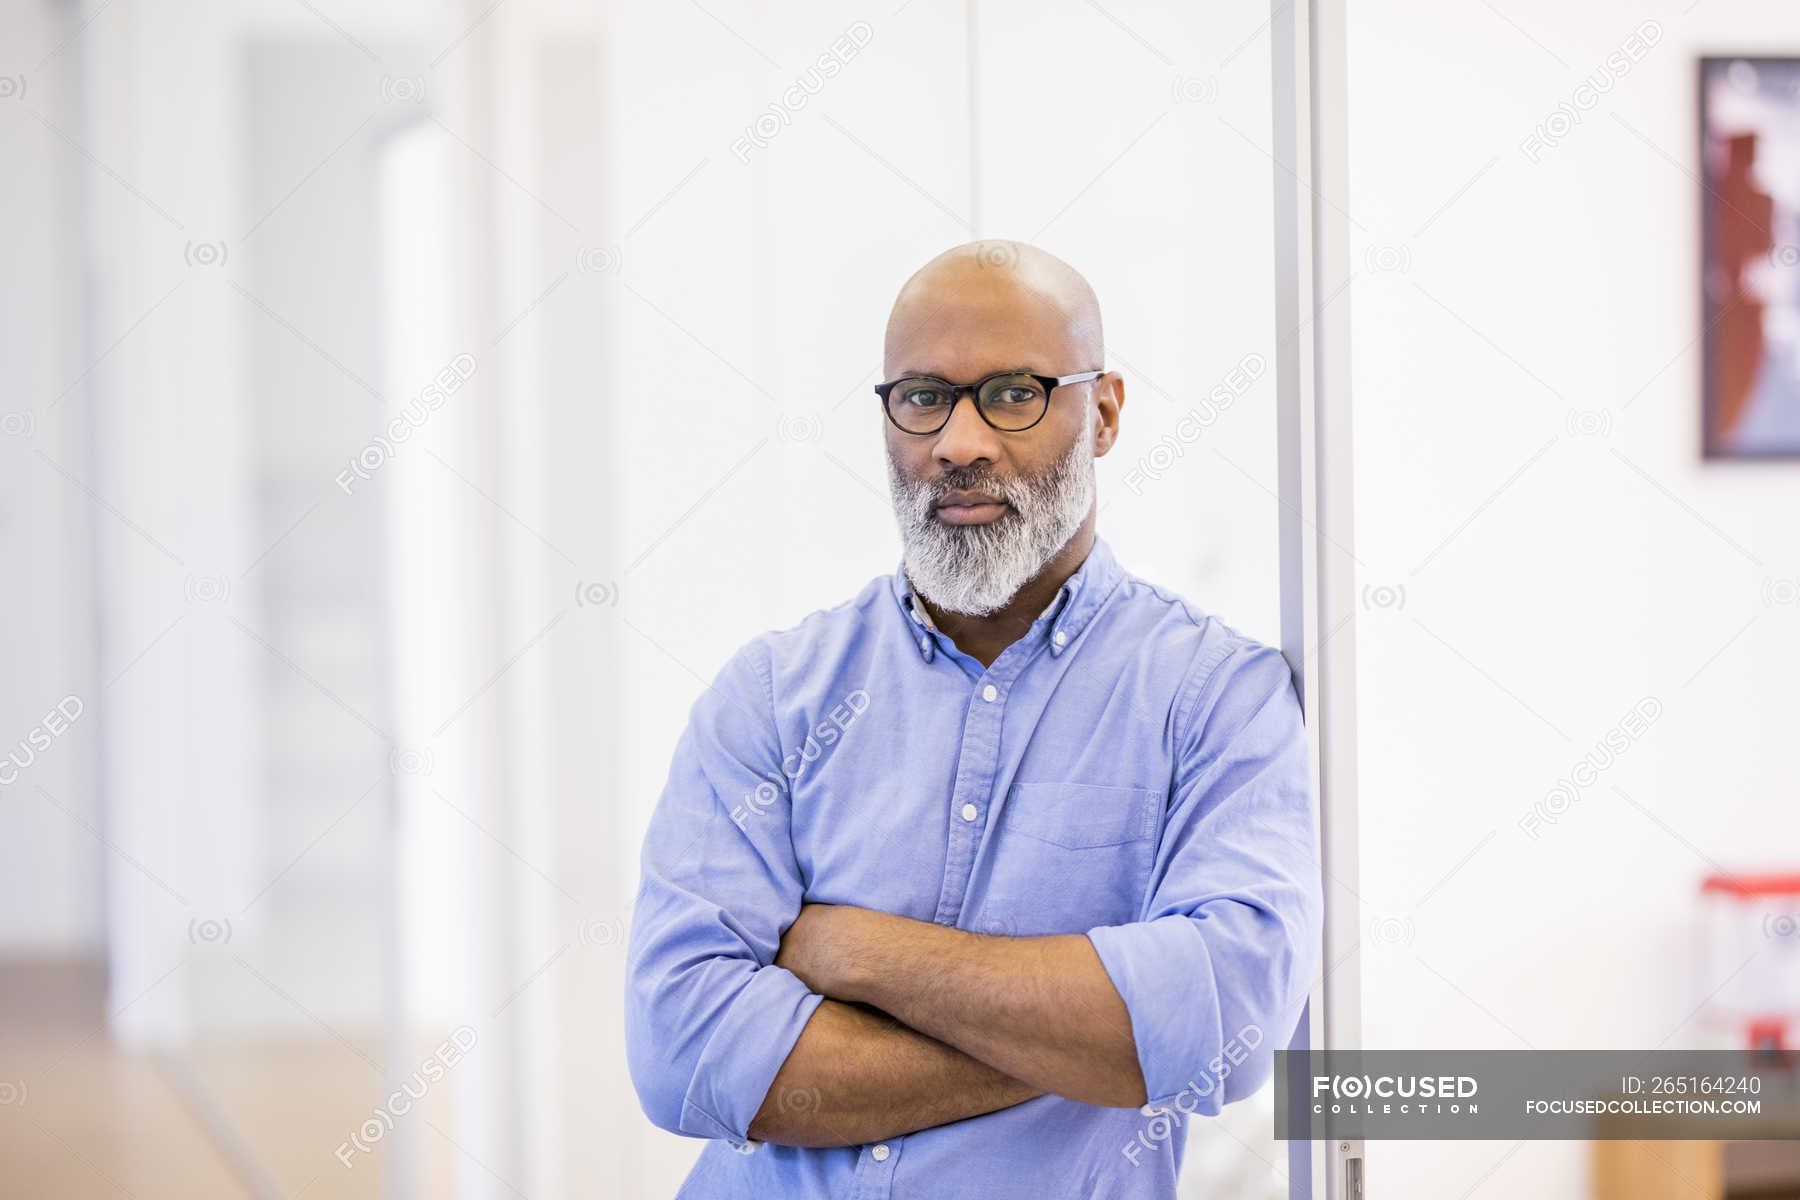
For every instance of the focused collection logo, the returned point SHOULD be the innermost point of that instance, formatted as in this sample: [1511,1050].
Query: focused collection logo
[1401,1095]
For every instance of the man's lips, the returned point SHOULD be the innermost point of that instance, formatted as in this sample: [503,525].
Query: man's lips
[969,508]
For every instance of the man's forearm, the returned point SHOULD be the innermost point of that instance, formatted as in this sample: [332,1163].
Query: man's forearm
[1040,1009]
[858,1076]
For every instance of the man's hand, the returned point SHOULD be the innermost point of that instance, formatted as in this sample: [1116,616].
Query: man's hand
[1040,1009]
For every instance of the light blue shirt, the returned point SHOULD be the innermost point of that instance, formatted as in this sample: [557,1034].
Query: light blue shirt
[1131,768]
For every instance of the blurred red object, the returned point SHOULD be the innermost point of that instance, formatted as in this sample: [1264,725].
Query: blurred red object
[1751,924]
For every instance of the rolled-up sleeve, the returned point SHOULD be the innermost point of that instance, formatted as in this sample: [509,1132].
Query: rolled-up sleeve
[709,1020]
[1216,974]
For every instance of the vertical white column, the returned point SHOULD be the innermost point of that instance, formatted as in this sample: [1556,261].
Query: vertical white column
[1318,580]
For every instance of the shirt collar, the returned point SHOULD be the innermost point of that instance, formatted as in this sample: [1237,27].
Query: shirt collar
[1069,612]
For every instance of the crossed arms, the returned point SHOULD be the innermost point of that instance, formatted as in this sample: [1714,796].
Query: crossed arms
[972,1024]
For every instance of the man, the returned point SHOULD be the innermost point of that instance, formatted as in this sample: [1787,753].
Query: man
[974,884]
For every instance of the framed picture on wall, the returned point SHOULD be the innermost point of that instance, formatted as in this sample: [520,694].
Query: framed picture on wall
[1750,259]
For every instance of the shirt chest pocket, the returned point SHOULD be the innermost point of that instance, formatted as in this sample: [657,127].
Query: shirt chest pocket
[1068,857]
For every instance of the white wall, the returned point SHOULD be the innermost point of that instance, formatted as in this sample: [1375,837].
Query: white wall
[49,815]
[1552,577]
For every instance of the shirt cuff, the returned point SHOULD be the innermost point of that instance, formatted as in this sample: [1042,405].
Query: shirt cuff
[747,1047]
[1164,973]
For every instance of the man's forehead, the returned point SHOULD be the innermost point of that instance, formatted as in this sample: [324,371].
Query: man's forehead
[974,342]
[986,325]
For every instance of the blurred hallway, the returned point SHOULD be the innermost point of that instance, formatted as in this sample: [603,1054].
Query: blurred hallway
[82,1117]
[100,1121]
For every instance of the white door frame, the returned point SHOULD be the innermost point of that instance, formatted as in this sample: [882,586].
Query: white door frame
[1318,567]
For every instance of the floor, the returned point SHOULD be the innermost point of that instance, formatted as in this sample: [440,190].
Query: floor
[81,1117]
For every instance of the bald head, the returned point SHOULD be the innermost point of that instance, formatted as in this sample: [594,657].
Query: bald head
[992,306]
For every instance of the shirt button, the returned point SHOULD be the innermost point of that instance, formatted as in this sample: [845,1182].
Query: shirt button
[924,643]
[879,1153]
[1060,637]
[990,693]
[968,812]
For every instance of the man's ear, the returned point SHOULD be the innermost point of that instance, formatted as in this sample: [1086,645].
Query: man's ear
[1109,398]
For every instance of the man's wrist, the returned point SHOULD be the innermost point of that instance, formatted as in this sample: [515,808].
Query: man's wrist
[881,954]
[859,954]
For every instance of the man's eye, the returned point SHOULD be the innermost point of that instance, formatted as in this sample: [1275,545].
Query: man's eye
[923,397]
[1016,395]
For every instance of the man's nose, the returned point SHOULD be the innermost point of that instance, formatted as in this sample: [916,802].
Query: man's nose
[965,437]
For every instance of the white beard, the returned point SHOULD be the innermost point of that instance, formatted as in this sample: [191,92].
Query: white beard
[976,569]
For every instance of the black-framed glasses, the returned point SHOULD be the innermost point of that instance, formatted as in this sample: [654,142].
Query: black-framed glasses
[1010,401]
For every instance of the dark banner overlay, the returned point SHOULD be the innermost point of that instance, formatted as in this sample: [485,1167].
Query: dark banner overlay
[1535,1095]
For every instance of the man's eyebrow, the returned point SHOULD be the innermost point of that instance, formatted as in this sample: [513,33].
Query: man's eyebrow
[1002,371]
